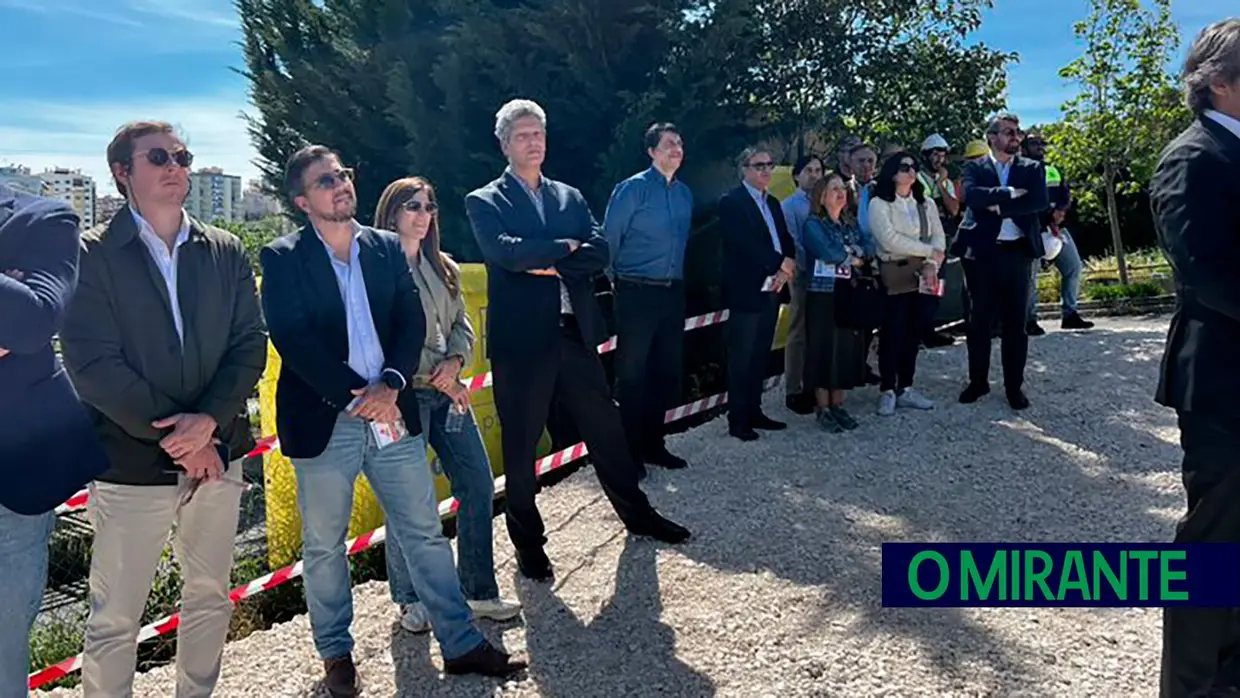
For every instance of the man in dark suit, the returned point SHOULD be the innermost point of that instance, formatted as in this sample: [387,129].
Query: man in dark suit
[543,250]
[165,343]
[1195,198]
[758,262]
[48,448]
[344,314]
[998,242]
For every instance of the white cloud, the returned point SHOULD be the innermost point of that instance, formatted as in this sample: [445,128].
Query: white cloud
[62,8]
[76,135]
[220,14]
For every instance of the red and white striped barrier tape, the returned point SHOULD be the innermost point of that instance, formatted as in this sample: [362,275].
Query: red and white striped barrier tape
[473,384]
[365,541]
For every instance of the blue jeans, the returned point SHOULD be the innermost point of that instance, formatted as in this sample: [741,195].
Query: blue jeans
[465,462]
[23,575]
[401,480]
[1070,266]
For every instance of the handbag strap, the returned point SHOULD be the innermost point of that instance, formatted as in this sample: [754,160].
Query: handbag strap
[925,224]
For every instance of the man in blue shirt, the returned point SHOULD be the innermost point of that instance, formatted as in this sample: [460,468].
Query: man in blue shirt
[807,170]
[647,226]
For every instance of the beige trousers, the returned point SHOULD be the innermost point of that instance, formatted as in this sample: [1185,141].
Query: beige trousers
[794,350]
[131,529]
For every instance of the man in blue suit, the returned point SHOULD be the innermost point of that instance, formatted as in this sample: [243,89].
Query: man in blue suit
[543,249]
[48,448]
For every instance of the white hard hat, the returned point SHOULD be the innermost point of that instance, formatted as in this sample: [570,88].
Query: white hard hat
[935,141]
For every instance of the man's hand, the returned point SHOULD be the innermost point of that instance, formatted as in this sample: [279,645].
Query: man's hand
[446,373]
[3,352]
[549,271]
[573,244]
[856,261]
[203,464]
[191,433]
[377,404]
[788,267]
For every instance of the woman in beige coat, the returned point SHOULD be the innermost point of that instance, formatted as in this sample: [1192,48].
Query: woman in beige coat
[911,249]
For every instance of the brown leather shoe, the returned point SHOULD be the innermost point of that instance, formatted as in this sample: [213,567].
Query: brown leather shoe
[484,660]
[342,680]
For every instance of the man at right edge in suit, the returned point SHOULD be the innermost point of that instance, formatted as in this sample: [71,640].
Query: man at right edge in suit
[543,250]
[1195,199]
[999,240]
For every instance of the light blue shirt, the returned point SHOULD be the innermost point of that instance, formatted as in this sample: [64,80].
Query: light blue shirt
[760,199]
[863,208]
[1007,229]
[365,352]
[165,261]
[796,212]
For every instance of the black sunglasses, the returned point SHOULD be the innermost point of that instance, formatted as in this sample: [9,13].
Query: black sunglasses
[761,166]
[414,206]
[908,167]
[160,157]
[331,180]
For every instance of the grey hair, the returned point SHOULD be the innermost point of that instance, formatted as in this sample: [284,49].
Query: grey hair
[994,125]
[747,155]
[513,110]
[1215,55]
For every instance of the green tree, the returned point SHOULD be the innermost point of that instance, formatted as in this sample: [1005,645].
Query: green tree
[1127,107]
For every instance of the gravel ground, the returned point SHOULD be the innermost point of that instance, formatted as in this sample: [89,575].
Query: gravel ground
[779,593]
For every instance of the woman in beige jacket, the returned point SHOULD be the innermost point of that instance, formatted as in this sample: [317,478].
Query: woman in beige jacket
[911,249]
[408,207]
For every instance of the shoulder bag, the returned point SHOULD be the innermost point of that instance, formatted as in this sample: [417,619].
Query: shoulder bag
[904,275]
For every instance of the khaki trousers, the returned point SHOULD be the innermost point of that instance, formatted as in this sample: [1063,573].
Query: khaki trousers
[132,524]
[794,350]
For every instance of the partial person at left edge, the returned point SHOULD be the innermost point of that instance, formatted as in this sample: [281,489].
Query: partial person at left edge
[48,448]
[165,342]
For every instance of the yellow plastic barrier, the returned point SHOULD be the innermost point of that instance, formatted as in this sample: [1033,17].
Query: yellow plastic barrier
[283,516]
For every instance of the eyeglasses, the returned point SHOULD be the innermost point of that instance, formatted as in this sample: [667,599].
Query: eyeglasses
[414,206]
[331,180]
[160,157]
[761,166]
[908,167]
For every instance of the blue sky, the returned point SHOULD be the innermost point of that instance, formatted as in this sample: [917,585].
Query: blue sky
[76,69]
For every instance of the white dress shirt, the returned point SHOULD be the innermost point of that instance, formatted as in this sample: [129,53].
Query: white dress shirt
[165,260]
[759,198]
[1007,229]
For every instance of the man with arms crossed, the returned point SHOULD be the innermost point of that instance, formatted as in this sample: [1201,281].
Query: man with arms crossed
[165,344]
[542,249]
[647,228]
[344,314]
[1195,198]
[48,448]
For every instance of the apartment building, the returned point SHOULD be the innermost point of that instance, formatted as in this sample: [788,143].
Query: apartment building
[75,188]
[214,196]
[19,178]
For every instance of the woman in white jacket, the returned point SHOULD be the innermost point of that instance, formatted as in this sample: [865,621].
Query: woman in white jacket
[911,249]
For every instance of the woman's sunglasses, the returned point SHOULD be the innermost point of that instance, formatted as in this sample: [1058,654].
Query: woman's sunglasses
[415,206]
[908,167]
[330,180]
[160,157]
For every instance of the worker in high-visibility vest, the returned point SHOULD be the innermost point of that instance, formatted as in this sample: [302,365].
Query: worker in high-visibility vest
[938,185]
[1067,259]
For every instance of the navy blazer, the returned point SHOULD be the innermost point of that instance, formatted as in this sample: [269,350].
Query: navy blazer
[48,447]
[1195,199]
[748,253]
[979,230]
[523,312]
[307,324]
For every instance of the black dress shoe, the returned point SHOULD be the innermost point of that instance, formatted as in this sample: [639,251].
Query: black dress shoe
[974,392]
[484,660]
[1033,329]
[743,434]
[656,527]
[872,378]
[534,564]
[1072,321]
[800,404]
[342,680]
[764,422]
[665,459]
[1016,398]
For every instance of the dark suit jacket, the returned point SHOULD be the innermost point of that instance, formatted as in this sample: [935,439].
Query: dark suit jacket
[982,189]
[48,447]
[122,351]
[523,311]
[748,255]
[306,318]
[1195,198]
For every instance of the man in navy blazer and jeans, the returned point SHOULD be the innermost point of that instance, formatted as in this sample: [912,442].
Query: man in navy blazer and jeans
[998,243]
[48,448]
[543,250]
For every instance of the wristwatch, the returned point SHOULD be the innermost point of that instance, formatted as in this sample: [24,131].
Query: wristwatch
[393,380]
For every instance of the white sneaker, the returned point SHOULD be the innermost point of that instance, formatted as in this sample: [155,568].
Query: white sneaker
[495,609]
[912,398]
[414,618]
[887,403]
